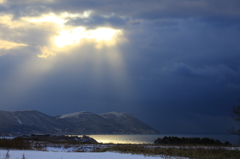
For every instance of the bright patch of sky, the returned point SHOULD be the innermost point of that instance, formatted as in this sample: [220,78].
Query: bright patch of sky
[61,33]
[9,45]
[74,35]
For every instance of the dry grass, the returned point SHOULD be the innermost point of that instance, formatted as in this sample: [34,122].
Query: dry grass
[190,152]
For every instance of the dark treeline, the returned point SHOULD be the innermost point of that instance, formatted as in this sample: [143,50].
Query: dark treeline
[16,143]
[171,140]
[190,152]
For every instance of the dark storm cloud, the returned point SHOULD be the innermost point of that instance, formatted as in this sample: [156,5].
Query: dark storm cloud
[156,9]
[153,9]
[96,20]
[165,23]
[220,72]
[189,69]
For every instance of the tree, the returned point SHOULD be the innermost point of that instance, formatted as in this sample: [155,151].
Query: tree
[236,117]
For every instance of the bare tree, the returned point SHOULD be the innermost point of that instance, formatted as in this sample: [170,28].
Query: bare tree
[236,117]
[7,156]
[23,156]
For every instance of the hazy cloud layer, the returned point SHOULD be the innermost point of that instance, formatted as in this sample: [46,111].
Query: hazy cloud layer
[168,62]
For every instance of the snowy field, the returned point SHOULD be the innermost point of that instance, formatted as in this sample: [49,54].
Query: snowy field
[27,154]
[62,152]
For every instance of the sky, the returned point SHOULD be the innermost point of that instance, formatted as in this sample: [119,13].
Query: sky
[173,64]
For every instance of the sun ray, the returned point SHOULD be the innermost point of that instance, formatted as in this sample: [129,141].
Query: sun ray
[70,35]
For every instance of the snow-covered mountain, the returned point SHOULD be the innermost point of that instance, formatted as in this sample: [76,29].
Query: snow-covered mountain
[30,121]
[129,123]
[89,123]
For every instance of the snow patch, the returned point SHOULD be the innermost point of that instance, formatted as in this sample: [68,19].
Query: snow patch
[19,121]
[73,115]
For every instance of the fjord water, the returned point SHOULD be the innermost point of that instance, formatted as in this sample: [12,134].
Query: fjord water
[146,139]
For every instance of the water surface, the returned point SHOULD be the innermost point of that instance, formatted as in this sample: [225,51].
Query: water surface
[146,139]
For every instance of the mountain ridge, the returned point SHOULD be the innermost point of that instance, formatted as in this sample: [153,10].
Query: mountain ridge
[83,122]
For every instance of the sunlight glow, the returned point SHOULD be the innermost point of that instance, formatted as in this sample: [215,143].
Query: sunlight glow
[85,14]
[60,19]
[74,36]
[45,52]
[9,45]
[7,21]
[49,33]
[69,37]
[103,34]
[49,18]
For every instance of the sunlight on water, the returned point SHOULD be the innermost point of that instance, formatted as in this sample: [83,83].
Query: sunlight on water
[127,139]
[149,139]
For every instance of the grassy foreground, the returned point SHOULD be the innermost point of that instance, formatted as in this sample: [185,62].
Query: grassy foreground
[190,152]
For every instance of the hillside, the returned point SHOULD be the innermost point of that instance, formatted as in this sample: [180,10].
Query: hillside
[31,121]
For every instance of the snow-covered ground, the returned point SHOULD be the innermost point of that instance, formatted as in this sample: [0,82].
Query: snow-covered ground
[84,151]
[18,154]
[74,152]
[95,147]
